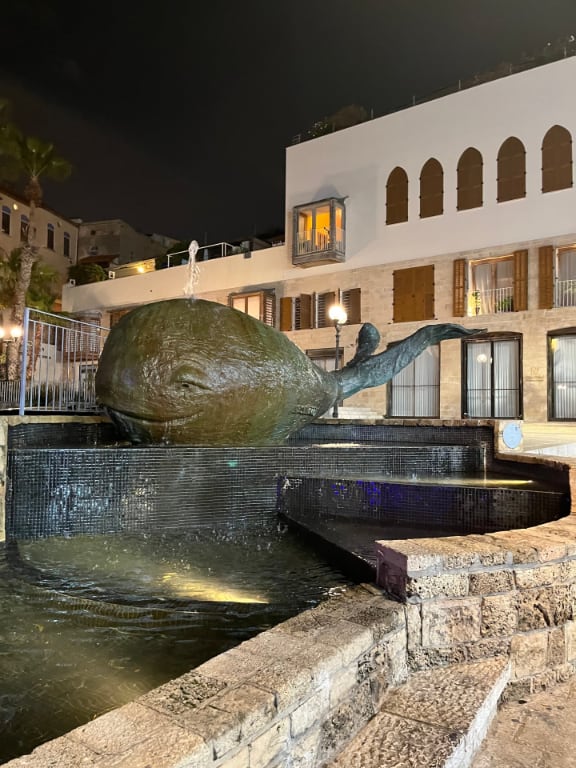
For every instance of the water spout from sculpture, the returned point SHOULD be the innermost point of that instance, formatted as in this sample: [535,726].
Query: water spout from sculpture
[193,272]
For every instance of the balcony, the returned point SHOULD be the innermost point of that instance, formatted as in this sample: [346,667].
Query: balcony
[313,247]
[491,301]
[565,293]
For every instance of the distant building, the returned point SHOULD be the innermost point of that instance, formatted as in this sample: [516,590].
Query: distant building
[56,236]
[457,210]
[113,242]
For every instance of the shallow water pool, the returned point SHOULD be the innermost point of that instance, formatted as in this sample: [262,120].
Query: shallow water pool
[91,622]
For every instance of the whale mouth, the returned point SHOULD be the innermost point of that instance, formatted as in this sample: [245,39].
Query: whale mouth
[139,429]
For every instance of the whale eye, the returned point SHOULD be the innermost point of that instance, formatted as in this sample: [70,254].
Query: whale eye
[187,378]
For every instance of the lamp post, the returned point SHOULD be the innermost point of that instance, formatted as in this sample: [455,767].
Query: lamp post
[15,333]
[338,315]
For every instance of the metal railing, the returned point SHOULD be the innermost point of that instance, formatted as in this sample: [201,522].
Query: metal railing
[57,367]
[492,301]
[313,240]
[205,253]
[565,293]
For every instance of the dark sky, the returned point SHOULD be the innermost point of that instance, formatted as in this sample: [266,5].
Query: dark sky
[176,114]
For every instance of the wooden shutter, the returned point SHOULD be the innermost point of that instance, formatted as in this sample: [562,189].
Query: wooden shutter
[325,301]
[511,170]
[431,189]
[546,277]
[353,306]
[459,288]
[286,304]
[414,294]
[520,302]
[556,159]
[469,175]
[305,311]
[397,196]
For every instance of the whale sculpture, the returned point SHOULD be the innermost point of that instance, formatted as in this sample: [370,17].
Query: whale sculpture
[189,371]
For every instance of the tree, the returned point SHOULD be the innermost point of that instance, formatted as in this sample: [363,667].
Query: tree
[33,159]
[87,273]
[44,282]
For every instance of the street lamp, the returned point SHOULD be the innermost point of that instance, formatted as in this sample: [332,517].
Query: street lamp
[338,315]
[15,333]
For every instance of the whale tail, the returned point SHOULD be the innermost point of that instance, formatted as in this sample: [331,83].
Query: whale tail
[365,371]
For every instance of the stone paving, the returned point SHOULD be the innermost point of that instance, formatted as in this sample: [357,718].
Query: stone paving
[540,730]
[536,732]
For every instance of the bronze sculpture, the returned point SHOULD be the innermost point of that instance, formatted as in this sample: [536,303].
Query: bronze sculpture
[189,371]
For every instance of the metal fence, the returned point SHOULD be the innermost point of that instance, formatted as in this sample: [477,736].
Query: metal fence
[58,366]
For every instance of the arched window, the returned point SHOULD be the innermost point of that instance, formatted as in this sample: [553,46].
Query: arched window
[431,189]
[511,170]
[397,196]
[469,179]
[556,159]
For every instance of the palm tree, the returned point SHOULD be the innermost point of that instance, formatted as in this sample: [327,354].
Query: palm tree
[32,158]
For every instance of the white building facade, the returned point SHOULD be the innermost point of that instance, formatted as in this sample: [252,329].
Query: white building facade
[457,210]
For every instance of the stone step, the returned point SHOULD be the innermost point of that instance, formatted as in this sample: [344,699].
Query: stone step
[437,719]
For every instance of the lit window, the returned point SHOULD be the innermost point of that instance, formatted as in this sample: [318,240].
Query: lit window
[565,282]
[415,390]
[67,245]
[492,286]
[258,304]
[562,374]
[6,219]
[319,232]
[492,377]
[50,237]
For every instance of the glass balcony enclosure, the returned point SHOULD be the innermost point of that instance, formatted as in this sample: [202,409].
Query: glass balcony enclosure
[319,233]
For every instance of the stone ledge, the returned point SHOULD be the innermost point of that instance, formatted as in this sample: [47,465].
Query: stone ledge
[304,687]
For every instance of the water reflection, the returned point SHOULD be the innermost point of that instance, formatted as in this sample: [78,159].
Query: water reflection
[90,623]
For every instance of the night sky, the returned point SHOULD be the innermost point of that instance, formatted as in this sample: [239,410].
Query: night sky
[176,115]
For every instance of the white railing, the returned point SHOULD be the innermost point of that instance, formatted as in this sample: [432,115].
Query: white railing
[58,366]
[565,293]
[492,301]
[317,240]
[205,253]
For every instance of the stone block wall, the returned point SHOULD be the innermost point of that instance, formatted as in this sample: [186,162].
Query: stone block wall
[294,695]
[511,593]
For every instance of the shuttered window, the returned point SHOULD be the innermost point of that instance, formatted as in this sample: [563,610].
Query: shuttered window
[520,294]
[431,189]
[459,288]
[258,304]
[397,196]
[556,159]
[546,277]
[350,300]
[469,179]
[511,170]
[323,303]
[414,294]
[296,313]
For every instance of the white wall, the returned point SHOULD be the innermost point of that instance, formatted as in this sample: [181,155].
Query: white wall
[356,163]
[231,273]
